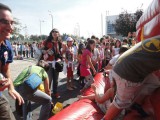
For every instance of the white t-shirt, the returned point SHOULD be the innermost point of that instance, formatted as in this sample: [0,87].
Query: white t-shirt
[95,54]
[114,59]
[116,51]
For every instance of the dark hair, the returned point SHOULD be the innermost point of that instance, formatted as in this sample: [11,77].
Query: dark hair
[4,7]
[50,37]
[101,39]
[93,37]
[116,43]
[80,47]
[89,43]
[123,49]
[125,40]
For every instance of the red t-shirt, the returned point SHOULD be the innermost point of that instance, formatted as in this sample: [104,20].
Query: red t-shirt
[84,68]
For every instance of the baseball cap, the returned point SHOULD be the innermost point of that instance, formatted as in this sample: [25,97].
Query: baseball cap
[69,39]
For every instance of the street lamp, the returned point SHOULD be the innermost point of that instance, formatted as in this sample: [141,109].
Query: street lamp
[40,21]
[51,17]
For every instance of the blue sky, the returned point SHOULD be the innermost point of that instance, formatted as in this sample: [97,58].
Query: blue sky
[69,15]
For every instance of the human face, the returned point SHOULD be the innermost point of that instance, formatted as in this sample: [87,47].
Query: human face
[70,43]
[92,46]
[55,34]
[6,24]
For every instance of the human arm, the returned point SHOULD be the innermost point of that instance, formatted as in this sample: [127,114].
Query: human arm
[90,64]
[107,95]
[112,112]
[90,97]
[108,67]
[4,83]
[46,86]
[79,57]
[12,92]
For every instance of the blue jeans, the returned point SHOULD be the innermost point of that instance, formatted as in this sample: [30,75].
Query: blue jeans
[38,97]
[53,76]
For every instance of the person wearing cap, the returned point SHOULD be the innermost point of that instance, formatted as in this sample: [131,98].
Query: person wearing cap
[69,60]
[51,53]
[37,96]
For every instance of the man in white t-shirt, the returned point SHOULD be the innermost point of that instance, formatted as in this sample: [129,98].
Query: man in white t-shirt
[113,61]
[95,58]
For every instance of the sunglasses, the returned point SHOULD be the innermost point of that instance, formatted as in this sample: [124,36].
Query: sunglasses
[6,22]
[55,31]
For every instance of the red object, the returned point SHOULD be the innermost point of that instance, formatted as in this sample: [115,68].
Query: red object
[149,23]
[88,110]
[69,72]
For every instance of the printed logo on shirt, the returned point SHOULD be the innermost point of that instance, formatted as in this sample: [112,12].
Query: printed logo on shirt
[151,45]
[6,55]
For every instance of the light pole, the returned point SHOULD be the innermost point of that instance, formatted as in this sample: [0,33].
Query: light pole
[51,17]
[40,21]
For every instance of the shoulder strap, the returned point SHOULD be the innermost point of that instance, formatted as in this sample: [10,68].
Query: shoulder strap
[29,70]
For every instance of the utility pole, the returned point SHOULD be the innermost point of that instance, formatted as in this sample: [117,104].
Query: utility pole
[50,13]
[40,21]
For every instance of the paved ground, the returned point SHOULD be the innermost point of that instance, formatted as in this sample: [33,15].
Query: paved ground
[67,97]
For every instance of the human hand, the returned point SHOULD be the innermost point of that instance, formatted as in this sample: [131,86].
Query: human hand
[93,86]
[48,92]
[94,72]
[4,83]
[15,95]
[80,97]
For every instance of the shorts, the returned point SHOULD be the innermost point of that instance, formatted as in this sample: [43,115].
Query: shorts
[69,72]
[5,110]
[128,92]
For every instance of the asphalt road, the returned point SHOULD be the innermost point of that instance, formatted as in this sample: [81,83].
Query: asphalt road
[67,97]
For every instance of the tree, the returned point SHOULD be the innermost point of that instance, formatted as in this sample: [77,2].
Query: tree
[127,22]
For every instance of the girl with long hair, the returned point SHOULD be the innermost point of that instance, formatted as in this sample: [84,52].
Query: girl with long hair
[86,64]
[51,51]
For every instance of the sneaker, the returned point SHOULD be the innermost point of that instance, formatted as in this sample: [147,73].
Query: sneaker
[57,95]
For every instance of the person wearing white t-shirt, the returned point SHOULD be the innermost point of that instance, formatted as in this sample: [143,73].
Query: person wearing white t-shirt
[113,61]
[95,58]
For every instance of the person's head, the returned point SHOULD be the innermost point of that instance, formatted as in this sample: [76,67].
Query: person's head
[6,22]
[123,49]
[107,45]
[93,37]
[125,42]
[43,64]
[133,41]
[69,41]
[117,44]
[91,45]
[81,47]
[54,35]
[102,40]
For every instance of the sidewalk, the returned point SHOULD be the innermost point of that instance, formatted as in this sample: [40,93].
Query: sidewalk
[67,97]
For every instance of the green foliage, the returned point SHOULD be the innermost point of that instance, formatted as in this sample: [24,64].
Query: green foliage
[127,22]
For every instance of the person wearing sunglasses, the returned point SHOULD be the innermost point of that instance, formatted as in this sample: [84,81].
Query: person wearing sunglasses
[51,53]
[6,57]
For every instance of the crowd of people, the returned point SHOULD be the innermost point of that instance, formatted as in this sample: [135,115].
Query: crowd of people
[25,50]
[94,55]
